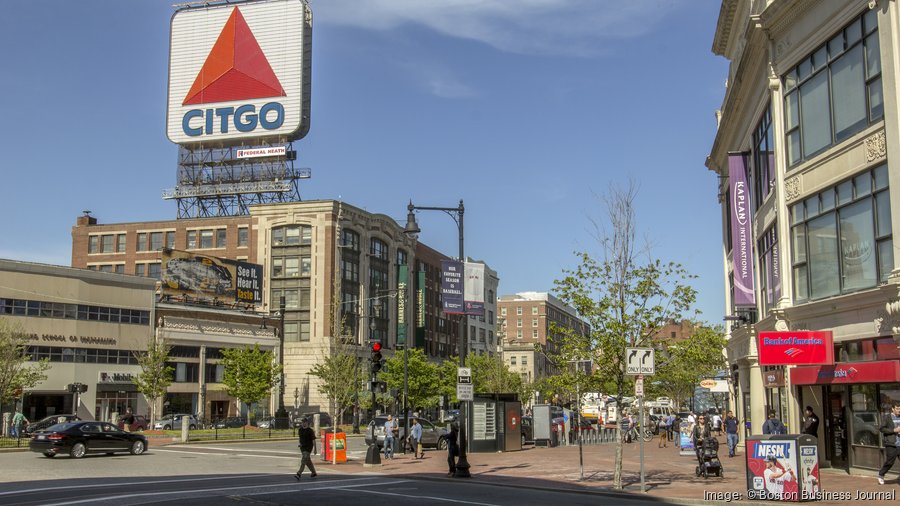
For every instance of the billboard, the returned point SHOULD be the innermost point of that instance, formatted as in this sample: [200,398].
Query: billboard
[801,347]
[211,277]
[239,73]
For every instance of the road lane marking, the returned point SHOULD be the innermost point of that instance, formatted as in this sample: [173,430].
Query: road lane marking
[294,485]
[96,485]
[410,496]
[237,449]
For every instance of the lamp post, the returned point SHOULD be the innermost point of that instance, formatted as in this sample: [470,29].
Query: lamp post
[281,415]
[462,467]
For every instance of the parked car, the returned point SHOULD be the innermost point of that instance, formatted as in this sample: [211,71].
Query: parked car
[80,438]
[140,423]
[266,422]
[173,421]
[527,430]
[431,434]
[324,419]
[231,422]
[48,421]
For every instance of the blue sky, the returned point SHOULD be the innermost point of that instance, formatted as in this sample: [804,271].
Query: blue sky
[526,109]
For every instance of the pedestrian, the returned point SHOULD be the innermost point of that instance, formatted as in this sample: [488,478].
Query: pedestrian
[731,432]
[692,419]
[18,424]
[890,427]
[307,438]
[700,432]
[626,427]
[671,426]
[452,438]
[717,423]
[390,426]
[415,435]
[811,424]
[663,433]
[128,419]
[773,425]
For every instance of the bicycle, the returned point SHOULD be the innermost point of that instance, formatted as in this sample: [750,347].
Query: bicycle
[633,433]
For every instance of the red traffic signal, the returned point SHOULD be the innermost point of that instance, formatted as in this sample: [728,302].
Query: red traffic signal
[376,346]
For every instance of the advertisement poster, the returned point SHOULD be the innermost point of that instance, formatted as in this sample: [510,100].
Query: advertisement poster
[798,347]
[809,472]
[771,470]
[474,289]
[452,286]
[209,277]
[684,438]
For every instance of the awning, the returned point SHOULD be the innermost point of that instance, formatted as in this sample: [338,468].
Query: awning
[881,371]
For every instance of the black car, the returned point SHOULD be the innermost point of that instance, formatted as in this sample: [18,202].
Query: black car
[527,430]
[80,438]
[47,422]
[230,422]
[324,419]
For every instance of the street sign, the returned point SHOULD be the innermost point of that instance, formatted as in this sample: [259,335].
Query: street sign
[465,392]
[639,361]
[639,386]
[464,375]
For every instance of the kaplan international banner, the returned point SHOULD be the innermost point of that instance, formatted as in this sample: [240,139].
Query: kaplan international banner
[473,288]
[741,235]
[452,286]
[211,277]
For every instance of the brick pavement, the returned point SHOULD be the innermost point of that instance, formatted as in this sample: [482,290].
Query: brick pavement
[668,475]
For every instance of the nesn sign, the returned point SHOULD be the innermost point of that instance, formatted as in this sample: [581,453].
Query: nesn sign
[779,451]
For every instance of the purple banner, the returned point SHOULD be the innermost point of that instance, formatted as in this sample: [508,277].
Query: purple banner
[741,235]
[452,286]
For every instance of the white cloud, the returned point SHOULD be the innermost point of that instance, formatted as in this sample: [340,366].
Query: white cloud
[556,27]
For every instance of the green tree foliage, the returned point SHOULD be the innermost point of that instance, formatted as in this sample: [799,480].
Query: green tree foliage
[17,372]
[625,295]
[155,376]
[490,375]
[339,375]
[250,373]
[682,364]
[424,384]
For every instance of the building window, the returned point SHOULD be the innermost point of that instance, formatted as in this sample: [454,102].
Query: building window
[512,360]
[221,238]
[378,249]
[502,311]
[402,257]
[107,243]
[206,239]
[519,310]
[156,241]
[524,359]
[191,239]
[350,240]
[120,243]
[349,271]
[519,323]
[490,337]
[841,238]
[141,241]
[93,244]
[140,270]
[119,268]
[305,266]
[534,310]
[290,332]
[155,270]
[763,158]
[304,331]
[769,261]
[534,333]
[534,322]
[491,317]
[292,235]
[519,334]
[243,237]
[834,92]
[291,299]
[170,239]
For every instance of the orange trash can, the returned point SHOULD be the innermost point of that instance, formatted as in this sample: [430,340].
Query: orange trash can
[337,443]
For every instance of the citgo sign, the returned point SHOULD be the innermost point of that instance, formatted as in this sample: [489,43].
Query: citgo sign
[795,348]
[239,72]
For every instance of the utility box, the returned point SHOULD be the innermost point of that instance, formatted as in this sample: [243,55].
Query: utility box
[337,443]
[543,432]
[783,467]
[495,423]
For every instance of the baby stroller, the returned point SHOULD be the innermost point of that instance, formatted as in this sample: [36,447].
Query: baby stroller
[708,457]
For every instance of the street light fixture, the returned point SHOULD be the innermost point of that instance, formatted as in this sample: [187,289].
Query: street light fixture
[462,466]
[281,416]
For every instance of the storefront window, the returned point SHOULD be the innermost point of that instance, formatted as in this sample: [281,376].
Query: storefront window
[860,351]
[890,395]
[887,348]
[864,430]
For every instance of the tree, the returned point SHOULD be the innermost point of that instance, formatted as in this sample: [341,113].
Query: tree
[423,383]
[17,372]
[338,375]
[490,375]
[625,295]
[250,373]
[682,364]
[155,376]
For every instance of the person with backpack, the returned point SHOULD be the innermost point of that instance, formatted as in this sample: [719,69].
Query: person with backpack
[773,425]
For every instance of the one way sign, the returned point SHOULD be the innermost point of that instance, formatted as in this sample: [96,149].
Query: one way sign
[639,361]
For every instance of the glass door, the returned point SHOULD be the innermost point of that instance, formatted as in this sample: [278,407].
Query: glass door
[836,426]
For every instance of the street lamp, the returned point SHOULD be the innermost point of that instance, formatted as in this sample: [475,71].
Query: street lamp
[462,467]
[281,415]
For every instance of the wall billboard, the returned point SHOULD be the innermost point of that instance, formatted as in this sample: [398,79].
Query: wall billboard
[239,73]
[799,347]
[209,277]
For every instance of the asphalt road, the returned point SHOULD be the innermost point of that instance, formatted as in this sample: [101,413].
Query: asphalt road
[256,473]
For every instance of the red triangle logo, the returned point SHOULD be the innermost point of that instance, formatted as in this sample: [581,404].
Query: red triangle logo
[236,68]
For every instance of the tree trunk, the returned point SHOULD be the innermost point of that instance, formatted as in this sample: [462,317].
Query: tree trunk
[617,473]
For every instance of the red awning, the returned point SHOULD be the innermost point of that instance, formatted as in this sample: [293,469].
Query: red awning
[882,371]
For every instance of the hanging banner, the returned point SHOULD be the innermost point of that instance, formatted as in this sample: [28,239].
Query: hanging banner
[452,286]
[474,289]
[402,282]
[741,235]
[419,341]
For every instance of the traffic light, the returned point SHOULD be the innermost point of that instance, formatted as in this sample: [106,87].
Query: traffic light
[376,357]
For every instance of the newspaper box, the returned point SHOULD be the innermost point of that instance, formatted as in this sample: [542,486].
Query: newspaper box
[336,442]
[783,468]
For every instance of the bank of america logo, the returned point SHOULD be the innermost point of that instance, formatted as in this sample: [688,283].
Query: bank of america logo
[793,352]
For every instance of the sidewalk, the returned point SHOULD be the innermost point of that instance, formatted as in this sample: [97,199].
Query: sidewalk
[668,475]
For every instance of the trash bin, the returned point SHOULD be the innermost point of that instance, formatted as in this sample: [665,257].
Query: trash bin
[336,442]
[783,467]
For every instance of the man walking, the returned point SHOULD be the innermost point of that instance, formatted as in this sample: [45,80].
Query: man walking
[18,424]
[773,425]
[390,426]
[663,433]
[890,428]
[415,435]
[307,438]
[811,424]
[128,419]
[731,433]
